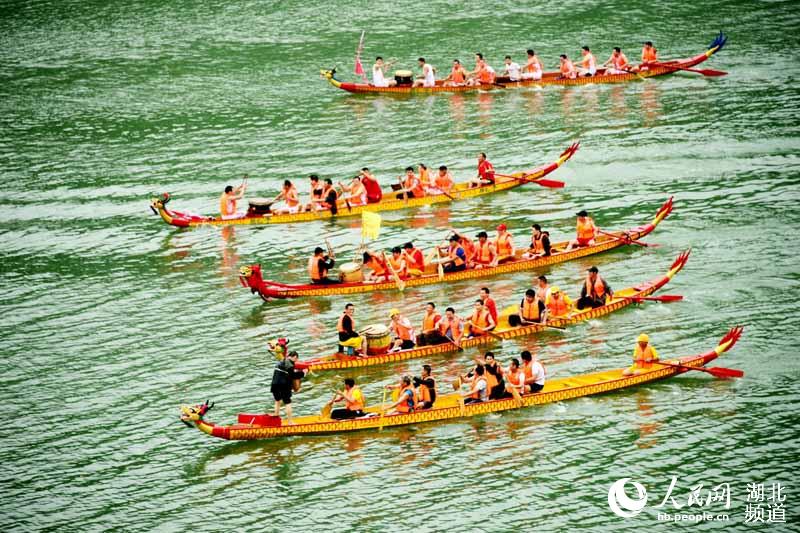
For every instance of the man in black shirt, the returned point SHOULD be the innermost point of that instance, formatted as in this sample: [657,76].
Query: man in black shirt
[283,378]
[426,388]
[318,267]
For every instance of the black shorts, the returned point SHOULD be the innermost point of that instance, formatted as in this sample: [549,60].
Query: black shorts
[282,394]
[345,414]
[426,405]
[452,267]
[407,345]
[533,387]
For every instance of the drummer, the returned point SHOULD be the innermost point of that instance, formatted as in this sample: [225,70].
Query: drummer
[415,261]
[378,270]
[291,200]
[403,331]
[227,202]
[346,328]
[319,265]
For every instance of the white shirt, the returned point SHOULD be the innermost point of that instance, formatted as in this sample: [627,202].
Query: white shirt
[377,77]
[513,71]
[430,79]
[482,389]
[537,371]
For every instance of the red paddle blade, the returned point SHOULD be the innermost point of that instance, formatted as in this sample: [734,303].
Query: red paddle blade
[668,297]
[711,72]
[720,372]
[554,184]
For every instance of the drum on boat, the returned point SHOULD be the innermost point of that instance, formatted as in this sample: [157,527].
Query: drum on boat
[379,340]
[259,207]
[351,273]
[403,77]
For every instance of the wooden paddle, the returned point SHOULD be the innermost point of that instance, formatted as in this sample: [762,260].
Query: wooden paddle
[661,298]
[716,371]
[439,267]
[553,184]
[383,409]
[405,193]
[400,284]
[704,71]
[545,324]
[626,239]
[346,201]
[325,412]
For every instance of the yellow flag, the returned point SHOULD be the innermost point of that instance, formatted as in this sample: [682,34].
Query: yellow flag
[370,224]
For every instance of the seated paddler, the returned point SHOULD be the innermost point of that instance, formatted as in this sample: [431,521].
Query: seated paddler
[528,312]
[353,400]
[557,304]
[319,265]
[426,388]
[644,355]
[378,269]
[406,400]
[595,291]
[402,330]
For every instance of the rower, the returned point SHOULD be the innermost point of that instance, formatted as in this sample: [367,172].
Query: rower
[540,244]
[442,183]
[428,332]
[514,378]
[533,67]
[378,270]
[457,75]
[534,372]
[595,291]
[398,263]
[428,78]
[283,377]
[424,176]
[317,191]
[378,74]
[349,339]
[485,172]
[485,254]
[411,186]
[456,256]
[403,331]
[227,202]
[353,399]
[479,389]
[291,200]
[426,388]
[528,312]
[542,292]
[483,73]
[451,326]
[480,322]
[356,193]
[371,185]
[489,302]
[330,197]
[618,61]
[567,69]
[644,355]
[415,261]
[504,244]
[558,304]
[511,70]
[588,64]
[495,384]
[407,399]
[586,231]
[649,55]
[318,267]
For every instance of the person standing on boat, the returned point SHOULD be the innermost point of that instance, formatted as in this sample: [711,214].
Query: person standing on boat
[533,67]
[283,377]
[481,321]
[558,304]
[485,254]
[485,172]
[428,78]
[379,78]
[511,70]
[318,267]
[588,64]
[619,62]
[595,291]
[451,326]
[479,389]
[353,399]
[457,77]
[403,331]
[528,312]
[489,302]
[567,69]
[456,260]
[415,261]
[346,328]
[586,231]
[644,355]
[540,244]
[504,244]
[371,185]
[426,388]
[428,332]
[411,186]
[228,199]
[534,372]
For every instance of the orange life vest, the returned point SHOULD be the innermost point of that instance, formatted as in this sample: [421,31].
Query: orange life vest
[485,75]
[491,381]
[620,62]
[376,265]
[480,318]
[404,406]
[457,261]
[598,290]
[414,259]
[469,247]
[404,332]
[483,253]
[424,177]
[443,182]
[514,379]
[477,395]
[227,206]
[588,61]
[640,356]
[649,54]
[424,393]
[530,311]
[586,229]
[430,320]
[340,326]
[313,268]
[503,244]
[455,325]
[397,265]
[567,69]
[415,185]
[457,75]
[557,307]
[538,244]
[358,397]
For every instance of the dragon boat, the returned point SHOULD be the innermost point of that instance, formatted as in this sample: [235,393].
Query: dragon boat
[251,276]
[461,191]
[660,68]
[503,330]
[451,406]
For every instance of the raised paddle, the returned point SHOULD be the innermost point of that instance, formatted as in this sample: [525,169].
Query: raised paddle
[626,239]
[704,71]
[716,371]
[400,284]
[660,298]
[553,184]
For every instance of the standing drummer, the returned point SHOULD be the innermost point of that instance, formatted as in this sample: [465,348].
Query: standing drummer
[348,337]
[318,266]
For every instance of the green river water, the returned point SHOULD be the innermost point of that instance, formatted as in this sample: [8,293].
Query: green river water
[111,319]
